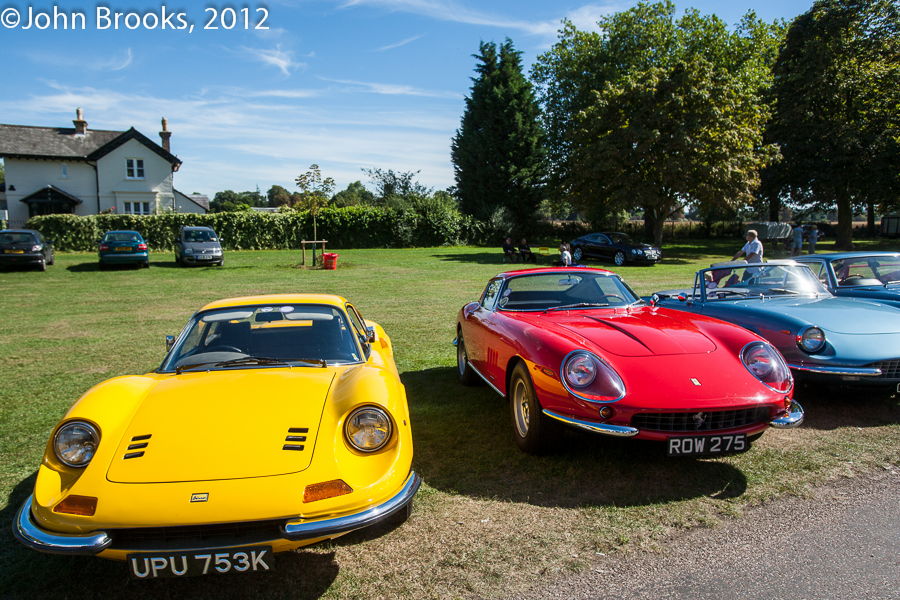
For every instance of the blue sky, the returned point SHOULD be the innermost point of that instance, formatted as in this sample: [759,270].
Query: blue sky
[348,84]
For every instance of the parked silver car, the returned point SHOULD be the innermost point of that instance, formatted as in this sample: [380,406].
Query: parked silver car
[198,246]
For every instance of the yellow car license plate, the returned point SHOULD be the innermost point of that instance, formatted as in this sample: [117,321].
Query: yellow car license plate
[14,251]
[123,249]
[161,565]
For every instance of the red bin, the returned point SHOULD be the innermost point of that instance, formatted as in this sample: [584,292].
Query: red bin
[330,259]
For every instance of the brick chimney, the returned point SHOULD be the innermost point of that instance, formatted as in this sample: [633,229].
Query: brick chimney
[80,123]
[165,134]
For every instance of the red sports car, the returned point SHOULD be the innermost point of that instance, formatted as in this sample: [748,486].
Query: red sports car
[577,346]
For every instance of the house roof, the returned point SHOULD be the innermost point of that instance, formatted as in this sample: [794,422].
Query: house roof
[61,143]
[200,200]
[51,193]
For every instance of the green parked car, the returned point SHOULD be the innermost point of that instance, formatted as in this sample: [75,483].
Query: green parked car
[123,247]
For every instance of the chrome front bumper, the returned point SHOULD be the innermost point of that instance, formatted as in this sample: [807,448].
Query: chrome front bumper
[793,419]
[828,370]
[32,536]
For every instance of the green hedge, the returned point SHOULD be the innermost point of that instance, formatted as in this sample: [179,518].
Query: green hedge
[351,227]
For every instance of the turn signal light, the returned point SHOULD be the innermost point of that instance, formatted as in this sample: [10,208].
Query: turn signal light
[607,412]
[326,489]
[85,506]
[142,246]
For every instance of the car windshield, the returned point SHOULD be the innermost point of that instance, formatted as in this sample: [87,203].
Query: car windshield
[734,282]
[620,238]
[122,236]
[264,336]
[565,289]
[17,238]
[866,270]
[199,235]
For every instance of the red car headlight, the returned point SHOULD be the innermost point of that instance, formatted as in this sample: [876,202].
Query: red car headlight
[591,378]
[767,365]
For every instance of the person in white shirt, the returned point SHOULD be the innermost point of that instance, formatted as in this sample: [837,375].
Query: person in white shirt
[753,249]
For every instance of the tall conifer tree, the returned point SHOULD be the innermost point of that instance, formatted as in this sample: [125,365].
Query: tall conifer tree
[498,151]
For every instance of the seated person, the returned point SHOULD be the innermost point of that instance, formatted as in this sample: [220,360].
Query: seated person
[710,282]
[510,251]
[526,253]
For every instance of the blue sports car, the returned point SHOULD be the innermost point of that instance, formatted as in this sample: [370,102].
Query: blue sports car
[871,275]
[823,337]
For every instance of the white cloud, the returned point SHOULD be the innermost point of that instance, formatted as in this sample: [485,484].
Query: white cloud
[391,89]
[398,44]
[283,59]
[448,10]
[116,62]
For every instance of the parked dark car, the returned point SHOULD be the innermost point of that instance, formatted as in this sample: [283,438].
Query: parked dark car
[198,246]
[25,247]
[123,248]
[617,247]
[870,275]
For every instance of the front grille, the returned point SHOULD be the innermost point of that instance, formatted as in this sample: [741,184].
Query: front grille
[704,421]
[196,536]
[890,369]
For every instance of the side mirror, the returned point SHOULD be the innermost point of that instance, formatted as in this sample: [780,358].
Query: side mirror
[654,299]
[170,341]
[370,335]
[682,297]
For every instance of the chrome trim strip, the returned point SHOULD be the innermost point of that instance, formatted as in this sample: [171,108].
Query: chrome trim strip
[32,536]
[792,419]
[486,380]
[828,370]
[329,527]
[613,430]
[562,375]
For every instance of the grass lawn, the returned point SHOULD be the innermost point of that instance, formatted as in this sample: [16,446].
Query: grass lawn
[488,521]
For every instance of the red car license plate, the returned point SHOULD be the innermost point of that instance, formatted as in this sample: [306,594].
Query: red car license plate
[695,445]
[160,565]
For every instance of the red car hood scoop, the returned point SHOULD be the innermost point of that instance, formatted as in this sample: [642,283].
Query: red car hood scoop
[640,334]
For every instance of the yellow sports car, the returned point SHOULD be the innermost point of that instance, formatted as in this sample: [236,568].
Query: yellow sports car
[274,422]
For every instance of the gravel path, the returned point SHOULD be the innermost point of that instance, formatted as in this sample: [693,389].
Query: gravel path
[842,543]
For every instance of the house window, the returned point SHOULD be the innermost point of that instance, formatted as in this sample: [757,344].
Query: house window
[64,171]
[137,208]
[134,168]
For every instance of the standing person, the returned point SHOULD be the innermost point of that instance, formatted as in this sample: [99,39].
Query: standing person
[509,250]
[813,238]
[753,249]
[565,254]
[526,253]
[798,240]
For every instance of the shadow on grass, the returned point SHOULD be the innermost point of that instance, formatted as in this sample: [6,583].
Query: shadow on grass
[25,573]
[464,444]
[833,407]
[487,257]
[93,266]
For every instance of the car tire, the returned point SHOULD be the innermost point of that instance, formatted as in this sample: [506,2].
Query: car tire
[577,254]
[467,375]
[619,258]
[534,432]
[220,263]
[42,266]
[145,265]
[52,259]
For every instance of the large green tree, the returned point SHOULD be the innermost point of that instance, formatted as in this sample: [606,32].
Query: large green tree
[666,138]
[356,193]
[627,45]
[498,152]
[228,201]
[837,117]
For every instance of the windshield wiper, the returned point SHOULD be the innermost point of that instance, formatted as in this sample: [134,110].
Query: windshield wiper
[261,360]
[785,290]
[181,368]
[578,305]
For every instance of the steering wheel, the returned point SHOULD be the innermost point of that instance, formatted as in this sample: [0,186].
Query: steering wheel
[850,276]
[614,296]
[224,347]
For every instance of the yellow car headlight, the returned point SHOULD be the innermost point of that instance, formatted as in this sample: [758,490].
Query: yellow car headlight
[368,429]
[75,443]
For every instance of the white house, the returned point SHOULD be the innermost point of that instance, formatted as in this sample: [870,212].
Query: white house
[51,170]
